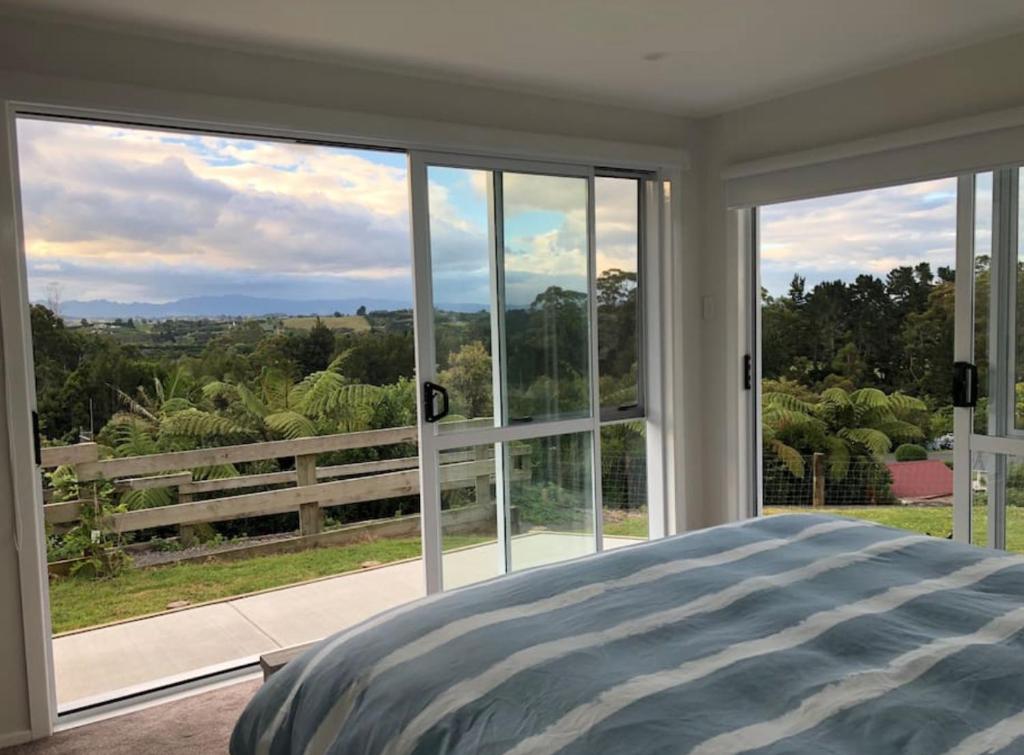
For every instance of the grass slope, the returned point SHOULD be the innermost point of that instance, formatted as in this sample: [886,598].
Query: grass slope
[928,520]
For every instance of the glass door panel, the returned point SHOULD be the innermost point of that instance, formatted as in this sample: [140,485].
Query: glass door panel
[545,293]
[550,489]
[990,477]
[472,525]
[462,270]
[506,355]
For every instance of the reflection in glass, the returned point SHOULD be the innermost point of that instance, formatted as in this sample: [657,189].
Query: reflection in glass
[544,278]
[616,215]
[460,251]
[470,541]
[550,490]
[624,480]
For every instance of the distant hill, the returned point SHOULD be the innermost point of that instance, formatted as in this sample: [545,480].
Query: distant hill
[235,306]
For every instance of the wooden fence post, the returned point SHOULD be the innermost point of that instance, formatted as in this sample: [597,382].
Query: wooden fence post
[311,516]
[187,534]
[818,479]
[483,481]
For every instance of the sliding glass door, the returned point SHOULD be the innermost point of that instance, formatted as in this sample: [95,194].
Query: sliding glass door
[507,349]
[989,372]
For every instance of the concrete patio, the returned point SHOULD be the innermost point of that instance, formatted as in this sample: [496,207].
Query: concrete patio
[137,655]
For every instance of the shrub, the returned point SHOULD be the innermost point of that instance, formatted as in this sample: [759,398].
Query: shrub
[911,452]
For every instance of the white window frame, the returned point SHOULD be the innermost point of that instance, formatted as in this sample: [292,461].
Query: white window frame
[146,108]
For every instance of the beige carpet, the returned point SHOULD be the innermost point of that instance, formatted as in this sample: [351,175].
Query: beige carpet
[195,725]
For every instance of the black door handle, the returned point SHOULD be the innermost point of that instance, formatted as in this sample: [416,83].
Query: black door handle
[430,390]
[37,439]
[965,384]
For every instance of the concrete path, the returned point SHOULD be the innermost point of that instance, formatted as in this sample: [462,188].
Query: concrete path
[133,656]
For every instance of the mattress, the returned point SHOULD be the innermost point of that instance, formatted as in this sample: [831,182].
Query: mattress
[786,634]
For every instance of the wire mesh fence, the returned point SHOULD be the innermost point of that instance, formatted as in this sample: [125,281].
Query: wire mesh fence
[862,481]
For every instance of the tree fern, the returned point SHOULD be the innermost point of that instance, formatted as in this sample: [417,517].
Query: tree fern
[290,424]
[874,440]
[789,456]
[198,425]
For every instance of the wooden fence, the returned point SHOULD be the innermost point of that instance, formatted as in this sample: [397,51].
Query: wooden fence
[309,488]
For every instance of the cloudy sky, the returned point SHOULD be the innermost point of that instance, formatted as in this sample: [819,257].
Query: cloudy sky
[137,215]
[142,215]
[843,236]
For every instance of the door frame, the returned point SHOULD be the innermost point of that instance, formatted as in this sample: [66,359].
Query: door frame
[1002,438]
[431,441]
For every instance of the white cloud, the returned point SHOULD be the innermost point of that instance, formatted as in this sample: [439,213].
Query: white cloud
[867,232]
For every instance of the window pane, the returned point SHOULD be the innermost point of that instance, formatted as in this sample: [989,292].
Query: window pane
[624,482]
[616,214]
[857,323]
[997,483]
[469,511]
[193,292]
[550,491]
[546,332]
[460,255]
[982,281]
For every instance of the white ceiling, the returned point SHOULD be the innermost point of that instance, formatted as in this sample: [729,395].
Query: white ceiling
[689,57]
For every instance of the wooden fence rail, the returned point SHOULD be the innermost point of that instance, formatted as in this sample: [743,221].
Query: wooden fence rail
[84,457]
[314,488]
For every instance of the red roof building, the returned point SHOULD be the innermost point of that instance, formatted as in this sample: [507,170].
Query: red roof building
[921,479]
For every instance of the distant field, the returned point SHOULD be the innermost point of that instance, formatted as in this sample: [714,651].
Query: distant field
[356,323]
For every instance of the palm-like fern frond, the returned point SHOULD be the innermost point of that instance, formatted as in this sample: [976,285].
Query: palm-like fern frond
[198,425]
[789,456]
[899,430]
[838,458]
[786,401]
[149,498]
[874,440]
[901,402]
[290,424]
[215,472]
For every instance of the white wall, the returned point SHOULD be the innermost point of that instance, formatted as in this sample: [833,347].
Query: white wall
[54,62]
[967,82]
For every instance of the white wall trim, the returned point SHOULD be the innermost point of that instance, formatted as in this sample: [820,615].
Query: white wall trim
[739,420]
[12,738]
[188,110]
[913,137]
[940,151]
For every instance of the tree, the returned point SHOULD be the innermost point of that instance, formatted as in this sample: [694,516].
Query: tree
[470,380]
[361,311]
[843,425]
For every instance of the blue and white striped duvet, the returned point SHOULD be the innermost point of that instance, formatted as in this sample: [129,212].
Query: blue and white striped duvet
[780,635]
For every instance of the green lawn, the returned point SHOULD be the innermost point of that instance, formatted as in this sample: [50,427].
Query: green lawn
[622,523]
[76,603]
[929,520]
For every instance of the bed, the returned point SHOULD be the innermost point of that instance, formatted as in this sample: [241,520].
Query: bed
[786,634]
